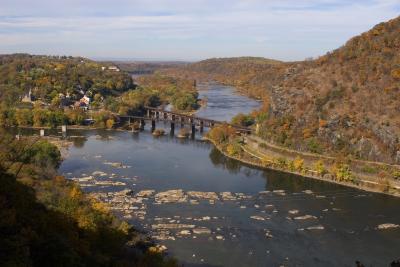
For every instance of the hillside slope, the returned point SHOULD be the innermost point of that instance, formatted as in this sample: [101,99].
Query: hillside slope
[348,99]
[48,76]
[251,75]
[343,103]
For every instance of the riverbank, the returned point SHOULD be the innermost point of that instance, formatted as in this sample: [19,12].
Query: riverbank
[276,160]
[268,156]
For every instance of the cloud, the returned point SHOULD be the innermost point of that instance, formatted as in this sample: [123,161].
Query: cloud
[284,29]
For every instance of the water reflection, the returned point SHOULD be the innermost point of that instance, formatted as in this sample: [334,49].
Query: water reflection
[79,142]
[219,160]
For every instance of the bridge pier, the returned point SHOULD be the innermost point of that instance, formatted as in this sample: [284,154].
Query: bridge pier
[193,124]
[142,124]
[64,130]
[172,132]
[155,114]
[172,128]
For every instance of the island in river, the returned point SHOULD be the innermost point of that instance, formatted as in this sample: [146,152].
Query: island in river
[213,211]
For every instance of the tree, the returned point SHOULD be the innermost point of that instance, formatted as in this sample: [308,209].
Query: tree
[56,101]
[222,133]
[110,123]
[23,117]
[75,117]
[298,164]
[243,120]
[39,117]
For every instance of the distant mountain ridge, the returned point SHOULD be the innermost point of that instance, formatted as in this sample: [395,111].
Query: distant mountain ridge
[345,102]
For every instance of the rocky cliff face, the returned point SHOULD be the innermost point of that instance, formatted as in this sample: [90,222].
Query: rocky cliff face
[348,99]
[346,102]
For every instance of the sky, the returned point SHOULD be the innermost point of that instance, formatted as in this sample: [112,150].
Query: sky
[187,30]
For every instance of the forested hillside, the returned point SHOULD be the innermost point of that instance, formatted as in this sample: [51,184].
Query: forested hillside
[144,67]
[343,103]
[251,75]
[48,76]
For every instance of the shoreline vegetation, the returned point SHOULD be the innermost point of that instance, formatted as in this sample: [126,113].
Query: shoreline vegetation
[365,175]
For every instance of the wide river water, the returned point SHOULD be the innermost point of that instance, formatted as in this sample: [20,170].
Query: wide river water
[267,218]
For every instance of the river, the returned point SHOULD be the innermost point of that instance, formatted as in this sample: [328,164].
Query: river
[267,218]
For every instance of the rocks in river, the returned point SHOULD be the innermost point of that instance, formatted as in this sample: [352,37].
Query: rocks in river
[83,179]
[163,235]
[145,193]
[125,192]
[308,192]
[312,228]
[241,196]
[279,192]
[257,218]
[227,196]
[109,183]
[203,195]
[315,227]
[268,234]
[201,231]
[305,217]
[99,173]
[171,196]
[294,212]
[158,249]
[172,226]
[194,201]
[220,237]
[185,232]
[118,165]
[86,185]
[385,226]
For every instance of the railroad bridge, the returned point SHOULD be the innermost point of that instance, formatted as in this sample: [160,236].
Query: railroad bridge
[157,114]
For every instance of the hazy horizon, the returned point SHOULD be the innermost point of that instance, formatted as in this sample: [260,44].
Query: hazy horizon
[178,30]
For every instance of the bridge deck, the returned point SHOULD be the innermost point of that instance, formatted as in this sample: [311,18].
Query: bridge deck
[192,119]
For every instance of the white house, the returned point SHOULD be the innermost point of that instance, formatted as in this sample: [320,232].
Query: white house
[85,99]
[114,68]
[28,97]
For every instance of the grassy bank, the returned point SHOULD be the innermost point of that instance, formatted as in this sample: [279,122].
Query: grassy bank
[364,175]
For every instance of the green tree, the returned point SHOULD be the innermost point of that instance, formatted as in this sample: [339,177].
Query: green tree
[24,117]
